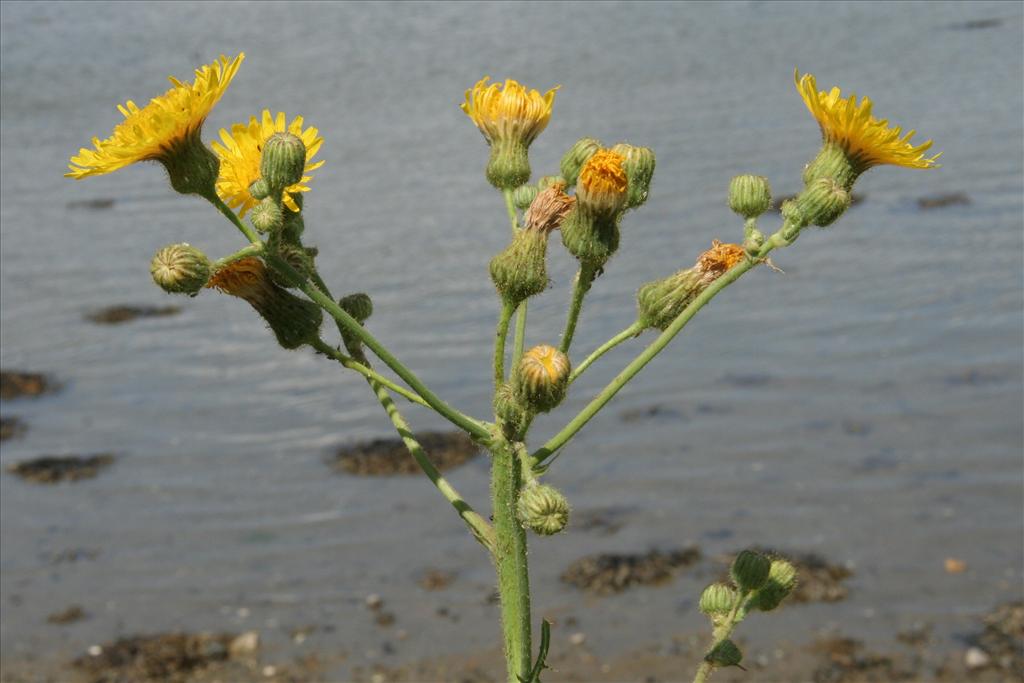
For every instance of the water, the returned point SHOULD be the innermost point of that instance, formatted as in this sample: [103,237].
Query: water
[865,405]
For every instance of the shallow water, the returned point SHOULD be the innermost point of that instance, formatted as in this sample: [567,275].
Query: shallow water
[865,405]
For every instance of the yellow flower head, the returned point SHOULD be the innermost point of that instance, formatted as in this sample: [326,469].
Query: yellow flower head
[866,140]
[509,113]
[240,158]
[603,181]
[163,126]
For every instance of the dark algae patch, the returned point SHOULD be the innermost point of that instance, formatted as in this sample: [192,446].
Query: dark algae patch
[845,661]
[938,201]
[609,573]
[53,469]
[18,384]
[389,457]
[67,616]
[11,428]
[166,657]
[115,315]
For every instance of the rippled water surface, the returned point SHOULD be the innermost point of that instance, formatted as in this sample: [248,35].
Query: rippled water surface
[865,405]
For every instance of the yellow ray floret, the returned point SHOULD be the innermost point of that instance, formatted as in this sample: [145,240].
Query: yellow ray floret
[866,140]
[508,113]
[240,158]
[604,173]
[151,133]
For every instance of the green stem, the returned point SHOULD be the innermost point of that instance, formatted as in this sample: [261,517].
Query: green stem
[628,333]
[478,526]
[352,364]
[459,419]
[249,233]
[510,560]
[638,363]
[244,252]
[520,336]
[499,342]
[584,278]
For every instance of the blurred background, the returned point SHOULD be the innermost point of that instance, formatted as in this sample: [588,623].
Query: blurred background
[865,406]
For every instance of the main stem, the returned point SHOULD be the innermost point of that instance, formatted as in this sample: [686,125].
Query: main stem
[499,343]
[510,560]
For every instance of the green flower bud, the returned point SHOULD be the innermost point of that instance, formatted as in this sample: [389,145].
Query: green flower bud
[180,269]
[749,195]
[295,256]
[357,305]
[267,216]
[543,509]
[750,570]
[508,409]
[823,201]
[523,196]
[578,154]
[551,180]
[781,582]
[520,271]
[541,378]
[725,653]
[592,239]
[191,167]
[360,307]
[639,165]
[717,599]
[294,321]
[283,161]
[259,189]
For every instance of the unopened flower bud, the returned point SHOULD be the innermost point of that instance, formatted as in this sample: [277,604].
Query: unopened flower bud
[724,654]
[717,599]
[578,154]
[750,570]
[823,201]
[541,378]
[358,305]
[295,256]
[520,271]
[283,161]
[267,216]
[639,165]
[749,195]
[543,509]
[781,582]
[294,321]
[180,269]
[259,189]
[523,195]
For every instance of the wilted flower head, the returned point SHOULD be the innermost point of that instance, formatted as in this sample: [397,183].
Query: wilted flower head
[548,209]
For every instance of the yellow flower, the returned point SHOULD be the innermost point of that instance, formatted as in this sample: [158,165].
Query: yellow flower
[603,181]
[508,113]
[162,129]
[510,117]
[867,141]
[240,158]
